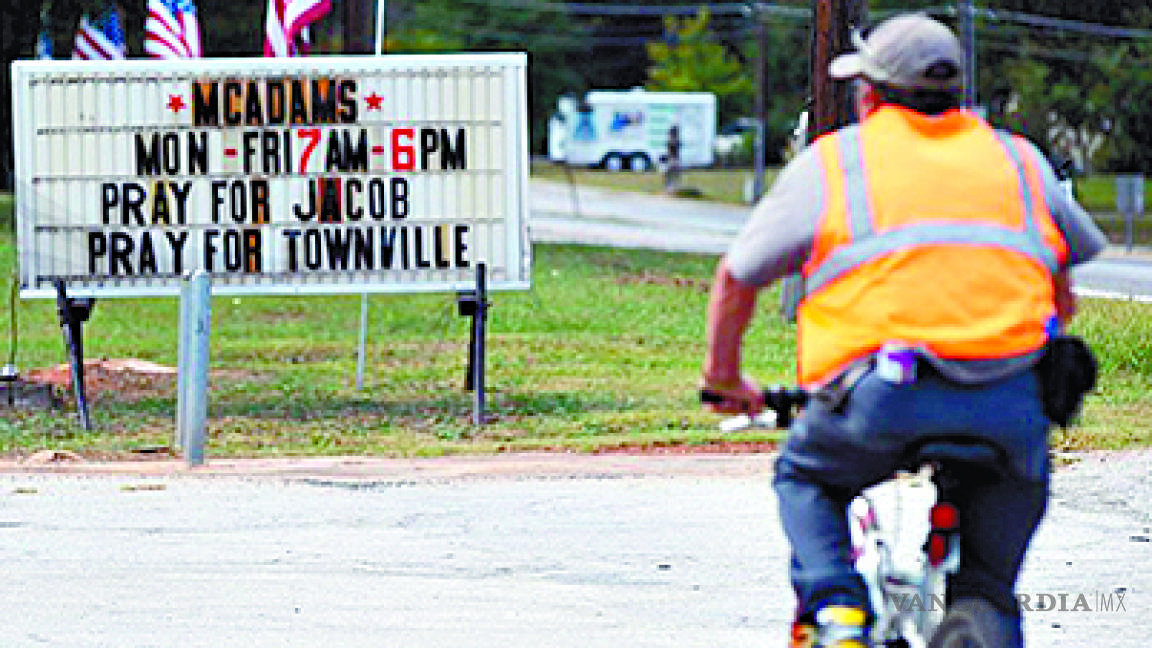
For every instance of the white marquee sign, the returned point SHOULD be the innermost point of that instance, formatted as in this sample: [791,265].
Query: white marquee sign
[301,175]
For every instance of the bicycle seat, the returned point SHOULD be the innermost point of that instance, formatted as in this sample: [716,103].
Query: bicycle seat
[964,452]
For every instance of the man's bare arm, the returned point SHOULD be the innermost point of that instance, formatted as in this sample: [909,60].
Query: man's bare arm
[730,308]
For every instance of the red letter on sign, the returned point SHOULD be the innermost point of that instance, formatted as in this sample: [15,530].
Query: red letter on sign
[313,137]
[403,155]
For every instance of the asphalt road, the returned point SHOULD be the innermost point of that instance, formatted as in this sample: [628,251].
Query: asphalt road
[1118,275]
[561,213]
[533,551]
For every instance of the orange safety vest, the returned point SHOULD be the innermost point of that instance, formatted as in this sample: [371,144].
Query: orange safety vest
[934,233]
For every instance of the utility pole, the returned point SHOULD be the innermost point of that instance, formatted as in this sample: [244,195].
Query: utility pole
[761,116]
[832,104]
[968,31]
[832,25]
[357,25]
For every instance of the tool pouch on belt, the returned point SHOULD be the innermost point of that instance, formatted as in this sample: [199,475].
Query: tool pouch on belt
[1067,372]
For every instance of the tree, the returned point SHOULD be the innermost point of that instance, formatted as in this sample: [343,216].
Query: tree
[1128,96]
[1108,12]
[1076,94]
[1021,101]
[556,67]
[690,60]
[693,56]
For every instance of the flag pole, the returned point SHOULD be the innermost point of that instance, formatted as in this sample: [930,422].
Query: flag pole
[381,25]
[362,351]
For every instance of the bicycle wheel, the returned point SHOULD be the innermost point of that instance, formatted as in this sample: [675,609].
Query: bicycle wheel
[971,623]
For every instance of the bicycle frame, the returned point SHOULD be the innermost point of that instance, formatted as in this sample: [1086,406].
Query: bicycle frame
[891,551]
[906,590]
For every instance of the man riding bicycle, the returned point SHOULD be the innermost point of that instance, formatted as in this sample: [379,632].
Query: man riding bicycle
[919,232]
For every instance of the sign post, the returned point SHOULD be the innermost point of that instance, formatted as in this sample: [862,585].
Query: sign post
[192,374]
[1130,203]
[72,313]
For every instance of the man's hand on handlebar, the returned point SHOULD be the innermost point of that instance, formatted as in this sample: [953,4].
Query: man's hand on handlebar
[740,396]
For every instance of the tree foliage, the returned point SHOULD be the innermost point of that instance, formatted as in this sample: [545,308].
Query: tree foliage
[1129,98]
[1078,94]
[692,57]
[692,60]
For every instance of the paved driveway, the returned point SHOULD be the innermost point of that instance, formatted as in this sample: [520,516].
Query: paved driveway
[550,550]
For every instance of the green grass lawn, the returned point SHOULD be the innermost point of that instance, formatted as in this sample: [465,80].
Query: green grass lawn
[720,185]
[602,352]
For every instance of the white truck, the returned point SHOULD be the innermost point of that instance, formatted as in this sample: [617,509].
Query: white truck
[629,129]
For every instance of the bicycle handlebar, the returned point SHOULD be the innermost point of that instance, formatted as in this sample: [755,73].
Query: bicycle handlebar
[783,401]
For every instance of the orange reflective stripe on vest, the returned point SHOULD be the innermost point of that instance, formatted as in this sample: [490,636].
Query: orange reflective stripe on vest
[935,233]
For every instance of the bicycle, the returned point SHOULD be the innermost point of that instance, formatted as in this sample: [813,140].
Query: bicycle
[907,591]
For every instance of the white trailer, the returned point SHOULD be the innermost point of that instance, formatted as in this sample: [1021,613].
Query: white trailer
[629,129]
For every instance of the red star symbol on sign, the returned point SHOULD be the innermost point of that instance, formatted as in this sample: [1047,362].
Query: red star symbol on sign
[176,103]
[374,100]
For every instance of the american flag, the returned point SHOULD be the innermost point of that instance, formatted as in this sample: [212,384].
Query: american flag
[172,30]
[44,45]
[286,20]
[44,40]
[101,39]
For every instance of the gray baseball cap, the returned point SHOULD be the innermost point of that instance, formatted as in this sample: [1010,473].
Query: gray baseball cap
[909,51]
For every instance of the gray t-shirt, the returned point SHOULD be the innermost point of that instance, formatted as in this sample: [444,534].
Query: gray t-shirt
[778,237]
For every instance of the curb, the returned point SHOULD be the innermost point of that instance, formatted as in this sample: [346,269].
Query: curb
[361,470]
